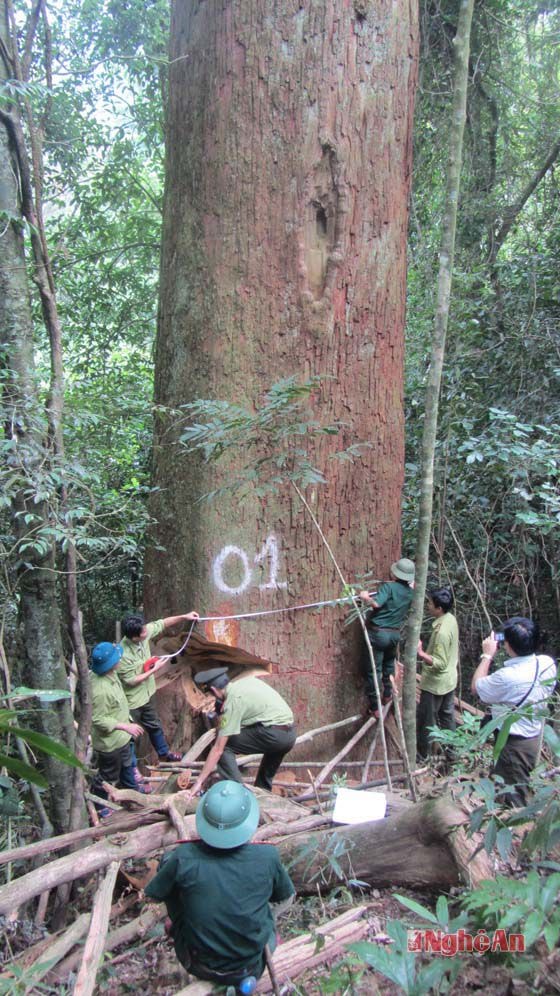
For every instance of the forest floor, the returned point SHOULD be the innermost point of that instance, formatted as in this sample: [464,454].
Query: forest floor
[150,967]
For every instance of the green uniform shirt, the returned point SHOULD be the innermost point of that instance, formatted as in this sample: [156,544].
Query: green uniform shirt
[110,707]
[132,662]
[394,601]
[249,701]
[218,900]
[441,676]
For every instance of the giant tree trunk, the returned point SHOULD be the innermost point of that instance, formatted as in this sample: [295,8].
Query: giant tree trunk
[36,590]
[288,170]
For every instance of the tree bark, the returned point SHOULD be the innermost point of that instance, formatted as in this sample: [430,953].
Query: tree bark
[43,664]
[288,173]
[429,435]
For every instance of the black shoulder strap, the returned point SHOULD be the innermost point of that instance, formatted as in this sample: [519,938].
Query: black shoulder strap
[527,694]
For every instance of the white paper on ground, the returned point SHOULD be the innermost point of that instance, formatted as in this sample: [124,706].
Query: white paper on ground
[355,806]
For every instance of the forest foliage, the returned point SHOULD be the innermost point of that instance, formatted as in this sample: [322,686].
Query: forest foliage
[97,85]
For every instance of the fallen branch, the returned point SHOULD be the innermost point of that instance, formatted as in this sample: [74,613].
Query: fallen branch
[282,829]
[376,783]
[124,934]
[117,824]
[302,953]
[145,841]
[93,950]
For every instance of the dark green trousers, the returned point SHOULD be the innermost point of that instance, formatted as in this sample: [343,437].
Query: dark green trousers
[433,710]
[515,764]
[384,643]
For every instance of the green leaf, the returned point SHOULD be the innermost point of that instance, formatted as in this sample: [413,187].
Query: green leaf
[503,735]
[43,694]
[490,836]
[47,745]
[551,934]
[22,770]
[533,927]
[503,842]
[415,907]
[442,911]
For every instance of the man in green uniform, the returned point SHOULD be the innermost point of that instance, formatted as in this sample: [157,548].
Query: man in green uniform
[140,685]
[254,719]
[111,728]
[388,610]
[439,670]
[218,890]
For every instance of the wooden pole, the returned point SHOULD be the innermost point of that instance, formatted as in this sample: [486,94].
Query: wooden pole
[95,941]
[325,772]
[405,758]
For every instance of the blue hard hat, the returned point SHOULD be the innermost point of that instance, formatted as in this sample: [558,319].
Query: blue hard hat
[227,815]
[104,656]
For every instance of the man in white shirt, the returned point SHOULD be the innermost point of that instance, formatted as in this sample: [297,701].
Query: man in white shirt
[523,684]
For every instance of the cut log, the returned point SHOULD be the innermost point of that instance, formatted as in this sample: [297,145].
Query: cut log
[302,953]
[426,845]
[95,941]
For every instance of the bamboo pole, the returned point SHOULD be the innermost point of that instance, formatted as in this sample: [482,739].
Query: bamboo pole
[369,762]
[95,942]
[406,761]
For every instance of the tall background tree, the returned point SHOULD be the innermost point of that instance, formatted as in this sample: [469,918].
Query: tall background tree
[287,182]
[496,522]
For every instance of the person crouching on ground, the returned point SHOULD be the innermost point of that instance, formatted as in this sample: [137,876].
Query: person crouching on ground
[139,685]
[439,670]
[111,728]
[524,683]
[254,719]
[218,890]
[387,612]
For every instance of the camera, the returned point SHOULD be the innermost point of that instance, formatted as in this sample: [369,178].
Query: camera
[499,637]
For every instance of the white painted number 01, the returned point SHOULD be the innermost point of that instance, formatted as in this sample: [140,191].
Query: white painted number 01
[239,561]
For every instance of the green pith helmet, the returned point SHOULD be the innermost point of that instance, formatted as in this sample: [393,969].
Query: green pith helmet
[403,569]
[227,815]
